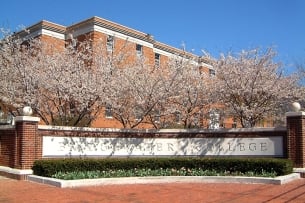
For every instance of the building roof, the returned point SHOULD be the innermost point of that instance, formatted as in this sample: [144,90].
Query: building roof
[44,24]
[105,24]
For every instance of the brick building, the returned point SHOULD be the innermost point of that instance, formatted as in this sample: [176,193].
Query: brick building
[113,35]
[114,38]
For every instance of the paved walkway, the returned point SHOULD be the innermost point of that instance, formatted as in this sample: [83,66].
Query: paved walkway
[24,191]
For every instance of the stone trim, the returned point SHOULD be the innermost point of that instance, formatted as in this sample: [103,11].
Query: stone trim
[293,114]
[27,118]
[233,130]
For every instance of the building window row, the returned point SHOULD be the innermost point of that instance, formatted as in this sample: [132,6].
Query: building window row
[139,49]
[110,41]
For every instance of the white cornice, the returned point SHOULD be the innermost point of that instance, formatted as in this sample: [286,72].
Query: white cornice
[81,31]
[45,32]
[106,31]
[164,53]
[170,55]
[53,34]
[206,65]
[122,36]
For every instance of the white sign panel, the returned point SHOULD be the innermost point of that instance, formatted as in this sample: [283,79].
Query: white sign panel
[89,146]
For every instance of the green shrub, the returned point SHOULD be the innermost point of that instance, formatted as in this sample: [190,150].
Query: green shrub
[279,167]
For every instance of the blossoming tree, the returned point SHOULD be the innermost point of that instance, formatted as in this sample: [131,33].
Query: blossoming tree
[71,86]
[135,92]
[190,94]
[252,85]
[61,86]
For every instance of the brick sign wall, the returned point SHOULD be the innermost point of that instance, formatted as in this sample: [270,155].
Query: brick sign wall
[65,142]
[25,142]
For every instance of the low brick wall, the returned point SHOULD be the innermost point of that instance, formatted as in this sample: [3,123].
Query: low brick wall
[25,142]
[8,149]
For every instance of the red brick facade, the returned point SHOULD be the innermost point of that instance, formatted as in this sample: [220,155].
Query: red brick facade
[19,144]
[8,149]
[29,144]
[296,138]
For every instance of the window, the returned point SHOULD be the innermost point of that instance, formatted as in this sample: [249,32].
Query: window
[196,120]
[212,72]
[108,111]
[110,43]
[74,43]
[73,110]
[214,121]
[138,113]
[157,60]
[157,116]
[26,44]
[178,117]
[139,49]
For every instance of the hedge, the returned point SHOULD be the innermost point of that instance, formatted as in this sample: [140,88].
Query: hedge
[48,168]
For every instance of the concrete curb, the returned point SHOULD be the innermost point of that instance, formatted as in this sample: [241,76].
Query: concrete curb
[18,174]
[163,179]
[299,170]
[5,169]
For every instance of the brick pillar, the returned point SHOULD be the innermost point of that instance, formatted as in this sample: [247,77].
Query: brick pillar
[296,138]
[26,128]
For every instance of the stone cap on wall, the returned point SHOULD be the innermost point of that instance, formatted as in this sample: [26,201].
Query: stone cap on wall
[26,118]
[122,130]
[293,114]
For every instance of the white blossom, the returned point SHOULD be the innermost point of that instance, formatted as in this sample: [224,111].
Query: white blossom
[252,85]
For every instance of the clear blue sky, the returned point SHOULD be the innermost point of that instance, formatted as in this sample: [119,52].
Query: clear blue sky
[213,25]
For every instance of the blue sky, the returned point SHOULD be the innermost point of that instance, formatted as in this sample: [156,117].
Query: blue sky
[213,25]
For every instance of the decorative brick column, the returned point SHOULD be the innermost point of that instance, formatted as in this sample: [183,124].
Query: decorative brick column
[296,138]
[26,153]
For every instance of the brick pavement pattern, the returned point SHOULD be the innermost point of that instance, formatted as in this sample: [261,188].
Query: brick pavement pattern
[24,191]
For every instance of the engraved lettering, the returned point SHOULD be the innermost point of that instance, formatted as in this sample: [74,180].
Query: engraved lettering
[159,147]
[61,146]
[264,146]
[252,147]
[170,147]
[230,147]
[242,147]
